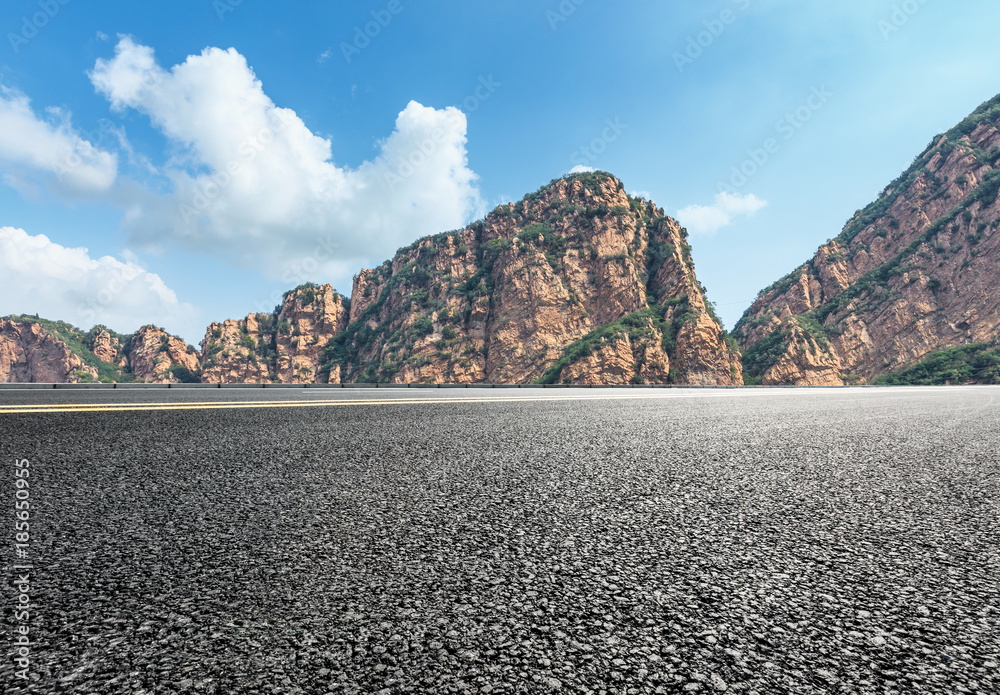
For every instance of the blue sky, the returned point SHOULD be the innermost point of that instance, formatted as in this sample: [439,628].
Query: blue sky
[210,154]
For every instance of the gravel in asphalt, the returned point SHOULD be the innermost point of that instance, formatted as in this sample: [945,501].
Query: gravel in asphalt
[758,541]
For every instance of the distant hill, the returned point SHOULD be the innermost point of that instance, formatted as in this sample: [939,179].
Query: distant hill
[35,350]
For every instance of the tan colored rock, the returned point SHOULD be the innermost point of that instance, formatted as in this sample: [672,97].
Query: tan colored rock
[309,318]
[288,347]
[365,292]
[502,300]
[154,354]
[805,362]
[623,360]
[29,354]
[917,272]
[703,357]
[239,352]
[106,347]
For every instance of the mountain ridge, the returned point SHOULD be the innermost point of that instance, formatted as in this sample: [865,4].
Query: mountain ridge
[577,283]
[582,283]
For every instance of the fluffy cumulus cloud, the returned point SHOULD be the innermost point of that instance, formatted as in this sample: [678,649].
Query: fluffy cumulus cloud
[582,169]
[251,182]
[708,219]
[36,152]
[40,276]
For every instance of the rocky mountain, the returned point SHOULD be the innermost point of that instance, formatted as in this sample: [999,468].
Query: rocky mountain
[286,347]
[153,356]
[31,353]
[34,350]
[915,272]
[577,283]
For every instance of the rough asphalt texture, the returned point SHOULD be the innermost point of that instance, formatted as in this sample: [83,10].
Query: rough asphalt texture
[743,542]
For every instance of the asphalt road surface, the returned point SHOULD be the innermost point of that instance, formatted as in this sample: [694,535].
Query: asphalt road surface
[591,541]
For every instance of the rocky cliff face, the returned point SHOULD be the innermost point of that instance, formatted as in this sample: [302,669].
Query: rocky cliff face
[34,350]
[506,299]
[309,319]
[285,347]
[915,272]
[106,347]
[31,354]
[577,283]
[157,357]
[622,357]
[239,352]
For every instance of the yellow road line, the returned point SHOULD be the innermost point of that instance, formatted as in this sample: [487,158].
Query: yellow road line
[237,405]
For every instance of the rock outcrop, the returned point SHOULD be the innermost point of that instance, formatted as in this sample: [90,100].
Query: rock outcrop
[239,352]
[309,318]
[31,354]
[503,300]
[625,357]
[914,272]
[286,347]
[158,357]
[34,350]
[105,346]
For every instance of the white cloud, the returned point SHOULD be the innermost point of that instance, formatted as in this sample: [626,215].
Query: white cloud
[254,184]
[708,219]
[39,276]
[324,56]
[581,169]
[36,152]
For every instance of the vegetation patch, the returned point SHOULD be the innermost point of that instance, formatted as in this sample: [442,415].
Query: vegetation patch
[970,364]
[637,326]
[784,284]
[658,254]
[184,375]
[759,358]
[814,330]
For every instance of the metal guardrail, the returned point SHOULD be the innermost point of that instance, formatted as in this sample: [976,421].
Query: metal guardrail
[135,386]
